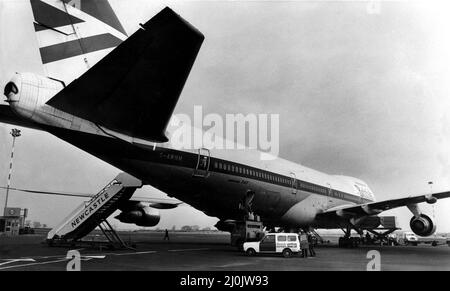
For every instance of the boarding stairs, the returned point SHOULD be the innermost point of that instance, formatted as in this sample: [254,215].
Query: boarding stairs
[94,213]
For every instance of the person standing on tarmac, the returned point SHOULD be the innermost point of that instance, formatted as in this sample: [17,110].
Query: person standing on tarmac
[166,236]
[312,253]
[304,244]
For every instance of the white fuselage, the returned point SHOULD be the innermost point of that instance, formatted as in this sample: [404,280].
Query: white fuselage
[285,191]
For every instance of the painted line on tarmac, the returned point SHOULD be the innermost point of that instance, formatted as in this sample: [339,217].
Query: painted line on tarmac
[185,250]
[10,261]
[134,253]
[41,257]
[34,264]
[87,256]
[234,265]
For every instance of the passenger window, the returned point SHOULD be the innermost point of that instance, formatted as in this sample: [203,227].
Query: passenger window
[281,238]
[292,238]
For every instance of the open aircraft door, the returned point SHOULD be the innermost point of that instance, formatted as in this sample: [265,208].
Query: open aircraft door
[293,183]
[203,163]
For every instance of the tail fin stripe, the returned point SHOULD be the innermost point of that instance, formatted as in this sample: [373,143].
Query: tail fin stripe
[72,48]
[101,10]
[50,16]
[40,26]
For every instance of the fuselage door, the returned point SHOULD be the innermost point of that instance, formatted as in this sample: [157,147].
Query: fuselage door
[329,198]
[203,163]
[293,183]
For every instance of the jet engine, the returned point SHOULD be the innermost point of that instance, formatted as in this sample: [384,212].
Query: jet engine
[140,215]
[423,225]
[27,92]
[225,225]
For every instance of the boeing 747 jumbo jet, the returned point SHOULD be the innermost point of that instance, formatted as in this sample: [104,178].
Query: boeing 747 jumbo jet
[113,97]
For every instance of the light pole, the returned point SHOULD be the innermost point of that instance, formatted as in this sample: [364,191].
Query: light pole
[431,193]
[15,133]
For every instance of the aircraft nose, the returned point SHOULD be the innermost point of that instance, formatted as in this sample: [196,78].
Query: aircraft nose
[12,88]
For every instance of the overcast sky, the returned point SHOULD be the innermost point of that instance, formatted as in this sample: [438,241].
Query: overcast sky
[361,94]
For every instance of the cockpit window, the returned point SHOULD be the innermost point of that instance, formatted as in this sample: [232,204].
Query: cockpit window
[10,88]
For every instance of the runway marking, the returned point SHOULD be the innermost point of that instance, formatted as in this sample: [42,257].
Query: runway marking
[181,250]
[233,265]
[10,261]
[135,253]
[44,257]
[34,264]
[86,257]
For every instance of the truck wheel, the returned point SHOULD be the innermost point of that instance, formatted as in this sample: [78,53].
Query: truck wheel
[250,252]
[287,253]
[434,243]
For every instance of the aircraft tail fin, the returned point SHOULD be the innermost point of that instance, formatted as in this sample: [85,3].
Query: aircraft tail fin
[134,90]
[73,35]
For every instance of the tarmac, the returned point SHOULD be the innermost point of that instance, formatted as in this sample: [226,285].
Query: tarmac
[209,252]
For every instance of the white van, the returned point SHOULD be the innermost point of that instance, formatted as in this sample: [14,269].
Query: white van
[283,243]
[409,238]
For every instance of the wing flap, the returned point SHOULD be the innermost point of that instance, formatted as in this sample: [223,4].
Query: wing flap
[135,88]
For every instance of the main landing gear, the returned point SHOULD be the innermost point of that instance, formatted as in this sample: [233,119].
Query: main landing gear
[347,241]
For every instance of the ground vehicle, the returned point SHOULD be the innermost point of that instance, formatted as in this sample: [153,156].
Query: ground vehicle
[26,230]
[246,231]
[409,238]
[434,240]
[285,243]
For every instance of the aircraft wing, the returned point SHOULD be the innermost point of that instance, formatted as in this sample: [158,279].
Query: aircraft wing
[159,203]
[378,207]
[134,89]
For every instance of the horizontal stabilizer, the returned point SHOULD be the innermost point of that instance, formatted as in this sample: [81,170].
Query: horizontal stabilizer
[135,88]
[159,203]
[8,116]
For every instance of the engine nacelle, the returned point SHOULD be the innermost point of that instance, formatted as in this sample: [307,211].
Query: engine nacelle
[422,226]
[143,216]
[224,225]
[27,92]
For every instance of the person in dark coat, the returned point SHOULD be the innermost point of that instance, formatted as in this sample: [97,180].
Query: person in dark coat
[304,244]
[166,236]
[312,253]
